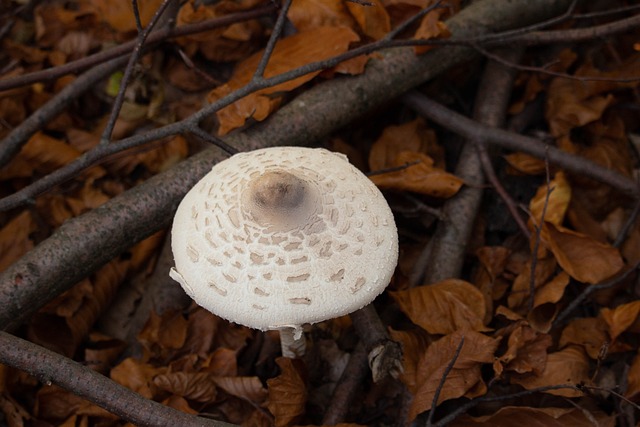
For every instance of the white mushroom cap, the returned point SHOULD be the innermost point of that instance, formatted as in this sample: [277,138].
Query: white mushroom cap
[285,236]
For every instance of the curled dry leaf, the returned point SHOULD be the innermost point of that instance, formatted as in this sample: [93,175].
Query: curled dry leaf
[633,379]
[307,14]
[464,379]
[198,386]
[419,176]
[510,416]
[545,298]
[518,299]
[119,15]
[622,318]
[582,257]
[488,277]
[137,376]
[522,163]
[163,335]
[55,404]
[14,238]
[373,20]
[289,53]
[552,200]
[568,366]
[444,307]
[287,392]
[247,388]
[588,332]
[412,136]
[526,350]
[414,344]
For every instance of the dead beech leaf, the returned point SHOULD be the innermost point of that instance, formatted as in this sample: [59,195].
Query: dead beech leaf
[621,318]
[420,177]
[431,27]
[290,53]
[247,388]
[287,392]
[307,14]
[588,332]
[137,376]
[513,416]
[518,299]
[546,296]
[412,136]
[120,15]
[162,335]
[198,386]
[633,379]
[14,238]
[557,201]
[526,350]
[582,257]
[568,366]
[464,379]
[55,403]
[525,164]
[488,277]
[414,344]
[43,154]
[444,307]
[373,19]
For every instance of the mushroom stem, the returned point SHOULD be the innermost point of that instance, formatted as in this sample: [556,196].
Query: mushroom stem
[292,342]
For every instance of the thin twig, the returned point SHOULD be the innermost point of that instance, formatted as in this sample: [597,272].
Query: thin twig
[609,283]
[443,379]
[128,72]
[271,43]
[538,236]
[219,142]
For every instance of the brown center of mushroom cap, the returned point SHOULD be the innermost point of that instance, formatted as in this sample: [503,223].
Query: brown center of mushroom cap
[279,200]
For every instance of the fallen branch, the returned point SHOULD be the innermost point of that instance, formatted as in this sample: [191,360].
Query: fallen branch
[51,368]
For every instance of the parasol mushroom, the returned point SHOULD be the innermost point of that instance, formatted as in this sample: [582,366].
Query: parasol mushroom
[281,237]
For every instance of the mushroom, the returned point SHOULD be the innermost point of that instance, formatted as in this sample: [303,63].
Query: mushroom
[278,238]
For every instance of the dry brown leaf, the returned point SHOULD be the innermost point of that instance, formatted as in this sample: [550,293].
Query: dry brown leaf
[247,388]
[14,238]
[582,257]
[289,53]
[162,335]
[55,403]
[526,164]
[621,318]
[444,307]
[568,366]
[308,14]
[412,136]
[137,376]
[509,416]
[65,321]
[102,351]
[463,380]
[287,392]
[572,103]
[431,27]
[546,296]
[372,19]
[526,350]
[588,332]
[41,154]
[198,386]
[119,15]
[414,344]
[556,203]
[487,278]
[418,176]
[518,299]
[633,379]
[179,403]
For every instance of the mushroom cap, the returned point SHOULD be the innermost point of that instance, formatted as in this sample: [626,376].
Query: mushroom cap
[285,236]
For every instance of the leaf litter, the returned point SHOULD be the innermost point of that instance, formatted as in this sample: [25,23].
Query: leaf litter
[195,362]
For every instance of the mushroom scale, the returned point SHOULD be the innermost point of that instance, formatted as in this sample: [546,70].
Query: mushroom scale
[284,236]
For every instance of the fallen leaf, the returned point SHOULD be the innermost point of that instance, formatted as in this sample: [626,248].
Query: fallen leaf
[289,53]
[518,299]
[464,379]
[418,175]
[247,388]
[372,19]
[545,298]
[621,318]
[552,200]
[509,416]
[55,403]
[198,386]
[119,15]
[414,344]
[633,379]
[308,14]
[526,164]
[588,332]
[14,238]
[287,392]
[137,376]
[526,350]
[413,136]
[444,307]
[568,366]
[582,257]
